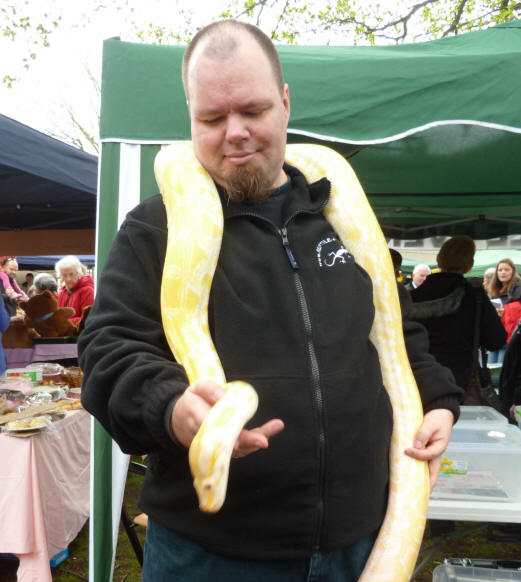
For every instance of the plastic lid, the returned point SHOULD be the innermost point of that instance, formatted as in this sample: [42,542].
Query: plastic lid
[507,437]
[480,414]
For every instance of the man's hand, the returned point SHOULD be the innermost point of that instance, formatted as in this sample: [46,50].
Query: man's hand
[432,439]
[192,407]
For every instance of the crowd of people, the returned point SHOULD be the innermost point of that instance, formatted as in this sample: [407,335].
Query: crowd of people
[459,316]
[71,284]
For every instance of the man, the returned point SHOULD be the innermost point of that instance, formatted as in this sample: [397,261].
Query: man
[419,274]
[26,285]
[312,502]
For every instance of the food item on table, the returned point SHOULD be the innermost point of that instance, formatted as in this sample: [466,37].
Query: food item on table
[69,404]
[74,377]
[16,384]
[35,374]
[32,423]
[52,373]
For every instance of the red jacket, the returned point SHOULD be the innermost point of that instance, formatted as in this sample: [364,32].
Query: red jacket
[511,316]
[81,295]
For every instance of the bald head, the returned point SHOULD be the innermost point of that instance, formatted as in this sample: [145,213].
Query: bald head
[221,40]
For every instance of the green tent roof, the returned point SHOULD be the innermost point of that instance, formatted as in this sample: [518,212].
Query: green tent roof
[432,129]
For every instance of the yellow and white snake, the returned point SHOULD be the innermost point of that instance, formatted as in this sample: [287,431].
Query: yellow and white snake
[193,207]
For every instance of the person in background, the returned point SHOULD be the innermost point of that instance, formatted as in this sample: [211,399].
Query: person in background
[11,292]
[396,258]
[45,282]
[487,278]
[419,274]
[77,290]
[506,286]
[4,323]
[446,305]
[318,492]
[26,285]
[510,379]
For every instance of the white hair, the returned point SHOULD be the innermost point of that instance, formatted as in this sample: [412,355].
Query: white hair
[45,281]
[489,273]
[421,267]
[68,262]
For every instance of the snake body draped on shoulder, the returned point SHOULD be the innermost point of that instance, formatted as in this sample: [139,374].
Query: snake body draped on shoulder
[195,226]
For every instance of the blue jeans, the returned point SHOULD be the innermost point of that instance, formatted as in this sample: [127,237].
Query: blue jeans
[170,557]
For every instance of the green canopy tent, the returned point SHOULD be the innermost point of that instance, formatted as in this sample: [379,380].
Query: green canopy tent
[433,131]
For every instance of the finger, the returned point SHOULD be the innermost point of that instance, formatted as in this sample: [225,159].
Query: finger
[254,439]
[435,449]
[209,390]
[434,471]
[271,428]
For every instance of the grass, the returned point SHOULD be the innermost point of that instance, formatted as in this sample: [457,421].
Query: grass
[127,569]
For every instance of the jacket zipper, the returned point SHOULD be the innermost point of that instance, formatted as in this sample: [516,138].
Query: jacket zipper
[315,372]
[316,386]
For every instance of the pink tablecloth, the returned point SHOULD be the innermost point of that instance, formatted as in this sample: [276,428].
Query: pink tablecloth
[21,357]
[44,493]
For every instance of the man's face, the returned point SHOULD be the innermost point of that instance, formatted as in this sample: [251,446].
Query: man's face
[420,276]
[239,120]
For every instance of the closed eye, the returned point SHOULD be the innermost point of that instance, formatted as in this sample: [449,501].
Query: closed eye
[211,120]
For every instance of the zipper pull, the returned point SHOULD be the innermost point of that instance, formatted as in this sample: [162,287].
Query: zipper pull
[285,242]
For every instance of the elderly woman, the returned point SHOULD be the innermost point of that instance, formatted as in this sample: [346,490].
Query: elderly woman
[45,282]
[77,290]
[446,305]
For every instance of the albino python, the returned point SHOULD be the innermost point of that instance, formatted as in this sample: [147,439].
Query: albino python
[194,208]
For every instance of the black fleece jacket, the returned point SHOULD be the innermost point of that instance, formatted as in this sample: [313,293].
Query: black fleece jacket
[293,321]
[446,305]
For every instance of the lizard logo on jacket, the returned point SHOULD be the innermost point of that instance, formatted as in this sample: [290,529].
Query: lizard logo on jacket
[330,252]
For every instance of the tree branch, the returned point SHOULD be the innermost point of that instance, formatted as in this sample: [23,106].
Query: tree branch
[454,25]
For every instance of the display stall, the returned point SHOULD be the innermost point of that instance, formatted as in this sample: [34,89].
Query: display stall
[44,500]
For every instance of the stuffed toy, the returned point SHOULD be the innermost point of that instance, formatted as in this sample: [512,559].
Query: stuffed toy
[18,335]
[49,320]
[83,320]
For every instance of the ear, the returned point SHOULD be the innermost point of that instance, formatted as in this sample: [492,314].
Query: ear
[286,102]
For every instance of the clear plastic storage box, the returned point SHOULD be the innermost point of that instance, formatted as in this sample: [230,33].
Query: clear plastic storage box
[450,573]
[482,416]
[481,465]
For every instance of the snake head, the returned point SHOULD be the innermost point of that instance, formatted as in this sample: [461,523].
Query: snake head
[211,492]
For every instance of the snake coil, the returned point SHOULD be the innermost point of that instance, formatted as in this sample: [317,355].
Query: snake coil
[193,206]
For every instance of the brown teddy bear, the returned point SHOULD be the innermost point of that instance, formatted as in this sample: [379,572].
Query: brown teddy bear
[44,315]
[18,335]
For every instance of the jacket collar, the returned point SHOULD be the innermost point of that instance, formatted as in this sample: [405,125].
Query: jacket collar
[304,197]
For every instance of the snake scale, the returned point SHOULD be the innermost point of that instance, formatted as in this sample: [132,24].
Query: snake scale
[193,206]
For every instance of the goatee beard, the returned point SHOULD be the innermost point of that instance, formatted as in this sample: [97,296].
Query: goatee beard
[247,184]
